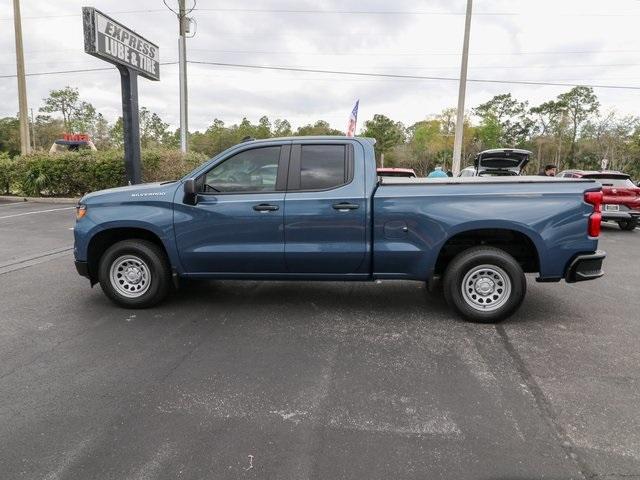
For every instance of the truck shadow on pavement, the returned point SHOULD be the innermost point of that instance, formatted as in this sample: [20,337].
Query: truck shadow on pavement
[390,300]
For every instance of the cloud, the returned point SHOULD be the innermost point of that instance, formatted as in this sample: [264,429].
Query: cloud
[415,44]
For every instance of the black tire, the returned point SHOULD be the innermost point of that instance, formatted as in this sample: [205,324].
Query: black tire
[151,261]
[628,225]
[482,269]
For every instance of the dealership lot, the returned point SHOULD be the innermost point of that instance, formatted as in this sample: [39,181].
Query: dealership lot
[310,380]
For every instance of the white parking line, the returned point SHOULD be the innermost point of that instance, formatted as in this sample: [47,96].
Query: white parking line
[37,211]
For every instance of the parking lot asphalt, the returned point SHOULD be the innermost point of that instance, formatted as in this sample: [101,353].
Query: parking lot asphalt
[310,380]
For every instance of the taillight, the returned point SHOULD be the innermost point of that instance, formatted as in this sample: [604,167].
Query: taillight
[595,219]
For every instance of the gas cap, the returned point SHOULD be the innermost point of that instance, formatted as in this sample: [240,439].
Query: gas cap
[396,229]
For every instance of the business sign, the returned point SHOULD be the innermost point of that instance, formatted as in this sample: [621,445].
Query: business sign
[111,41]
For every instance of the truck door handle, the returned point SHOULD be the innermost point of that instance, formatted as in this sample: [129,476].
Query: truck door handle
[345,206]
[265,207]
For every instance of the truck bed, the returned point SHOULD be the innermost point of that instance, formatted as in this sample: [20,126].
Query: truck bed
[414,218]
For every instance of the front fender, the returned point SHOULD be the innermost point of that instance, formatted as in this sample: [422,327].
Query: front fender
[156,219]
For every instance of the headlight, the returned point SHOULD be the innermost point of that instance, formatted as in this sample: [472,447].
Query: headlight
[81,211]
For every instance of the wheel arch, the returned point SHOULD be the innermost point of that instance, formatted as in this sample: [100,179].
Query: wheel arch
[105,238]
[522,244]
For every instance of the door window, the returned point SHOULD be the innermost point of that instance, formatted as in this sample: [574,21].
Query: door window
[322,167]
[253,170]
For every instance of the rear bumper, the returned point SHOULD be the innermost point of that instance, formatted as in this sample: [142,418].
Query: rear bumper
[585,267]
[621,215]
[82,268]
[617,216]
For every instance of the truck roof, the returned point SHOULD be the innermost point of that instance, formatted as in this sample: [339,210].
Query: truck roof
[310,137]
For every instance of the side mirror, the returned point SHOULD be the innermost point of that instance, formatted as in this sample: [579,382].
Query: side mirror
[190,192]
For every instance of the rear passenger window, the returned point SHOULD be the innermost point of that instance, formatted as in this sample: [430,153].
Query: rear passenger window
[322,166]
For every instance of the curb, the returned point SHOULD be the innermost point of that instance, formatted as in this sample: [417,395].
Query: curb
[16,199]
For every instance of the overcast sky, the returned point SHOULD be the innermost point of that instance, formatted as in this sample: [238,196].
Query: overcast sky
[572,41]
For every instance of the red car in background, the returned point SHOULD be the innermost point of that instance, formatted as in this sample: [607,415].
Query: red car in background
[396,172]
[621,202]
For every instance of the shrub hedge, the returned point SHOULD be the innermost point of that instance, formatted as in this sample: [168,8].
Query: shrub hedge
[75,173]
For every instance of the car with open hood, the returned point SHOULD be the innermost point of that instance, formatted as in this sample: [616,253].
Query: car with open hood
[501,162]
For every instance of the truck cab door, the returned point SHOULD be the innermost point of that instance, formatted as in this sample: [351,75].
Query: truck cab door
[325,210]
[236,226]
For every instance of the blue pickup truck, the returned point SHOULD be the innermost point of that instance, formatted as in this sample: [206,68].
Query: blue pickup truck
[313,208]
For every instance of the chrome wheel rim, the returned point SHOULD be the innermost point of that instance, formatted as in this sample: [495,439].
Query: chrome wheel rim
[486,288]
[130,276]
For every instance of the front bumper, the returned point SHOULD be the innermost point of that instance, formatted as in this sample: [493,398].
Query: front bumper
[585,267]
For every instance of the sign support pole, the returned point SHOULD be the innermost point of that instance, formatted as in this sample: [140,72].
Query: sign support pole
[130,124]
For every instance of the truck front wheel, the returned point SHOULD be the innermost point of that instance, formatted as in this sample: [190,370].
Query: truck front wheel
[134,274]
[484,284]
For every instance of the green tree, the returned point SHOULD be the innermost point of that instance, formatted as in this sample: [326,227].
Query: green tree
[320,127]
[580,104]
[511,115]
[282,128]
[46,130]
[116,134]
[100,134]
[263,129]
[387,133]
[10,135]
[153,131]
[65,102]
[550,129]
[489,132]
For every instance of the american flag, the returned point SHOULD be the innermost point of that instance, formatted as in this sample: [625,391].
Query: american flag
[353,119]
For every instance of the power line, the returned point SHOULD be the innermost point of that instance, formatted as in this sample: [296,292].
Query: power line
[368,54]
[413,54]
[411,77]
[403,12]
[415,67]
[80,70]
[65,15]
[346,12]
[358,74]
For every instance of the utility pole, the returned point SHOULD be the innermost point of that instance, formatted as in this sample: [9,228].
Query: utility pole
[33,132]
[457,142]
[25,143]
[182,60]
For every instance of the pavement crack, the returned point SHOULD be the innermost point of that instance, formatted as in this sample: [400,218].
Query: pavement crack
[31,261]
[53,348]
[545,407]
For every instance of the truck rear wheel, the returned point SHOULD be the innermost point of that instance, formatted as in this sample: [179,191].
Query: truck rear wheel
[628,225]
[134,274]
[484,284]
